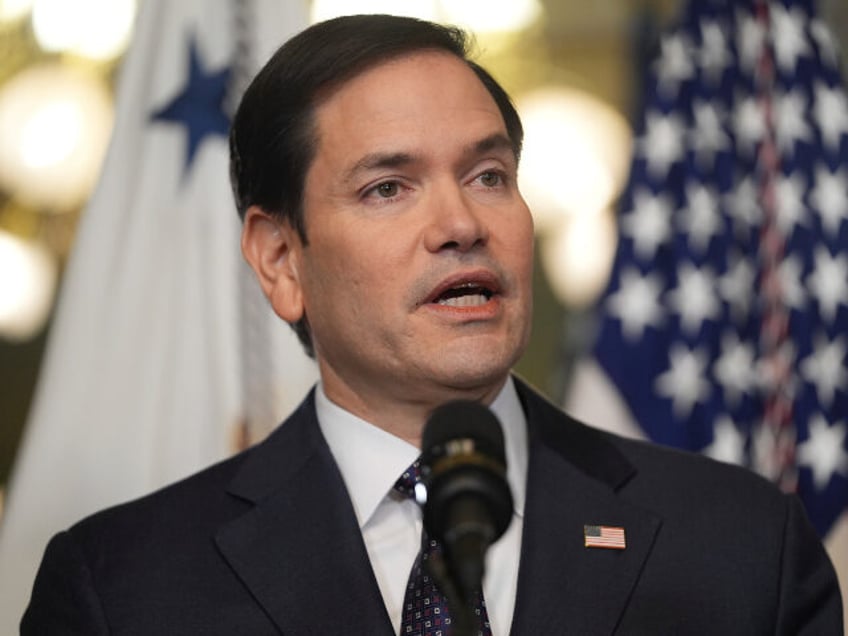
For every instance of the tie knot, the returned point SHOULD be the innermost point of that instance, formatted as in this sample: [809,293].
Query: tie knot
[405,484]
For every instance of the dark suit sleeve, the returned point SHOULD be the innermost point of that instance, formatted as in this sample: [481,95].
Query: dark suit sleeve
[810,601]
[64,600]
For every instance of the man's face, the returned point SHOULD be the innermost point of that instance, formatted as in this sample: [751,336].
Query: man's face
[416,279]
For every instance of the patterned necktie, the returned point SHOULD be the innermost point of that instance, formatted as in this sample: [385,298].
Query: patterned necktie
[425,610]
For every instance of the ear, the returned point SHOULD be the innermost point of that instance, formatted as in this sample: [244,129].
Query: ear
[272,247]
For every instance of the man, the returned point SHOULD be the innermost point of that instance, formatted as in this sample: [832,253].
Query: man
[375,168]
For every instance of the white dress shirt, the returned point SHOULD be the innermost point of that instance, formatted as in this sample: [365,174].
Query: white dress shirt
[371,460]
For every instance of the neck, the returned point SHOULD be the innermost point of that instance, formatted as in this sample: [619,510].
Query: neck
[402,415]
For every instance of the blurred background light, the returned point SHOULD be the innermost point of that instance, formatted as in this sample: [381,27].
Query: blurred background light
[326,9]
[12,10]
[577,257]
[487,16]
[576,153]
[27,283]
[97,29]
[55,122]
[574,164]
[479,16]
[50,134]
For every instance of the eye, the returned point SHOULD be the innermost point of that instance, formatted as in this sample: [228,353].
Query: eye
[491,179]
[387,189]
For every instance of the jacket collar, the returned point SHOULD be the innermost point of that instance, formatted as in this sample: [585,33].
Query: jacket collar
[299,549]
[300,552]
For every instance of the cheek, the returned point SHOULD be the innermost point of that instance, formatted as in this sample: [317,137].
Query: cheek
[345,277]
[520,243]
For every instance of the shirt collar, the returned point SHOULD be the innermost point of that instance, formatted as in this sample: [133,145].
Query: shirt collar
[371,459]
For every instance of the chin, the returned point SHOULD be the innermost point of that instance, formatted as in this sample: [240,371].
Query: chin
[475,371]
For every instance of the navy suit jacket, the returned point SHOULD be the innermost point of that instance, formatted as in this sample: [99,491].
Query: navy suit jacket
[267,543]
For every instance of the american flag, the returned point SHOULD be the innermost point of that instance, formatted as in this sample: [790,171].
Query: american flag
[725,324]
[610,537]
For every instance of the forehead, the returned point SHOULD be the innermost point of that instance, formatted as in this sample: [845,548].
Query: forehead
[420,96]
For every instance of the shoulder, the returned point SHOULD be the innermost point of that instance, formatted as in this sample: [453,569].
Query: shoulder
[170,516]
[642,468]
[677,469]
[139,551]
[205,500]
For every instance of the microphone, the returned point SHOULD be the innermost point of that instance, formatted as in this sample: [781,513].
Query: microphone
[468,502]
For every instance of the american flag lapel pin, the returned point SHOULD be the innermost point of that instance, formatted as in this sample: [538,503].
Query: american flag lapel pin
[608,537]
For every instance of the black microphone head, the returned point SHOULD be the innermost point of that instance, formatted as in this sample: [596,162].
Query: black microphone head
[464,420]
[463,467]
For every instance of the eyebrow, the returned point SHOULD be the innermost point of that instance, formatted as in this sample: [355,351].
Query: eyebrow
[496,141]
[382,160]
[379,160]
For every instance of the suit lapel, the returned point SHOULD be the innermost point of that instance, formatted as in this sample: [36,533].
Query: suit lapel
[574,478]
[299,550]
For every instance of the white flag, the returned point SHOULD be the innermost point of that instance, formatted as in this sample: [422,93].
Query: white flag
[163,352]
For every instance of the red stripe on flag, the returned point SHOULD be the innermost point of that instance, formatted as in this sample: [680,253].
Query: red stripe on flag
[604,537]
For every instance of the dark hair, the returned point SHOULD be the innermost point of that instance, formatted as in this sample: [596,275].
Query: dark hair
[273,139]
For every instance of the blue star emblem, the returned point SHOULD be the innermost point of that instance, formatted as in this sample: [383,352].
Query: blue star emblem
[200,105]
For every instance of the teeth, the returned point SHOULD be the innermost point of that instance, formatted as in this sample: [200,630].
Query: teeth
[472,300]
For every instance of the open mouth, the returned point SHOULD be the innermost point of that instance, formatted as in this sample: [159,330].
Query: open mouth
[465,295]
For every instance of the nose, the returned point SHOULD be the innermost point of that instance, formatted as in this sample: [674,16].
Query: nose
[454,221]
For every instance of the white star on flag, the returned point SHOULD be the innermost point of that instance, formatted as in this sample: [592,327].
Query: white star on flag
[829,282]
[662,143]
[714,55]
[684,382]
[791,210]
[735,286]
[637,303]
[788,39]
[707,136]
[831,112]
[674,65]
[790,124]
[700,220]
[734,368]
[823,452]
[728,443]
[748,124]
[825,367]
[750,39]
[743,206]
[830,198]
[792,290]
[694,297]
[648,223]
[826,43]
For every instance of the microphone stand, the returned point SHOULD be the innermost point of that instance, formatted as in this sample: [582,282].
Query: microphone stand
[464,622]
